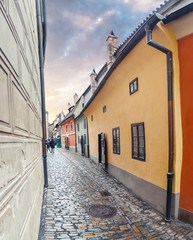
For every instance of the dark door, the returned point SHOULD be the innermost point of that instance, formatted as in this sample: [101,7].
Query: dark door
[102,150]
[82,145]
[99,147]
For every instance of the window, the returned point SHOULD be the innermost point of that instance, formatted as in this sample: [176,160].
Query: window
[66,127]
[78,139]
[71,126]
[104,109]
[138,141]
[133,86]
[82,104]
[78,127]
[84,138]
[91,118]
[85,123]
[116,140]
[62,130]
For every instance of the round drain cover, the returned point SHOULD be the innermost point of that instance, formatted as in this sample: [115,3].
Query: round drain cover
[101,211]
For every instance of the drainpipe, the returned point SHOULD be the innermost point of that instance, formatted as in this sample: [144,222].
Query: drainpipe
[44,27]
[41,62]
[170,174]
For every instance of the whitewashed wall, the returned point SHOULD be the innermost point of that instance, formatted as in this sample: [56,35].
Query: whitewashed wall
[21,168]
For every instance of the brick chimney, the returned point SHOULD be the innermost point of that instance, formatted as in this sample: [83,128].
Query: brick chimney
[93,82]
[69,106]
[75,98]
[111,48]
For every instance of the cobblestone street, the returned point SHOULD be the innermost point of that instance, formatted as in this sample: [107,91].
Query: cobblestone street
[75,184]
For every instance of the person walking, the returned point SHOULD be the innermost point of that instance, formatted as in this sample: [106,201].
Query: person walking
[48,145]
[52,145]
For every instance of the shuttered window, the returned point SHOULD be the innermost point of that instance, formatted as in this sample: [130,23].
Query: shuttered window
[116,140]
[138,141]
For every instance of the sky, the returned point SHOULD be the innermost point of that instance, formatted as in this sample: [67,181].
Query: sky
[76,42]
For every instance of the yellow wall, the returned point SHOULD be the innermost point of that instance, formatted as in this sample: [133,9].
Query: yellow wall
[148,105]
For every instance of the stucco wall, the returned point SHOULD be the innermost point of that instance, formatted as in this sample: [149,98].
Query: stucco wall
[186,76]
[70,133]
[82,132]
[148,105]
[21,177]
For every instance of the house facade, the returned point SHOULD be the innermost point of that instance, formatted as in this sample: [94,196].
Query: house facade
[68,132]
[137,109]
[21,174]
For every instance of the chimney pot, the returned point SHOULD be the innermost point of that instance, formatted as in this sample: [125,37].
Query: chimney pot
[93,82]
[75,98]
[111,48]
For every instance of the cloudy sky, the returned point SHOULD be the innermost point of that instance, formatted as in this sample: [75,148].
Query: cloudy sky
[76,43]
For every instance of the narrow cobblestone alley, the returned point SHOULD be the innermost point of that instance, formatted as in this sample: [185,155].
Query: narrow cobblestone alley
[75,184]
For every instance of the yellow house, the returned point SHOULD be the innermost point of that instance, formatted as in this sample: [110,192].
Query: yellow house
[137,107]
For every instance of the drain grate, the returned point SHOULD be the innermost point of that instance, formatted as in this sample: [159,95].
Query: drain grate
[105,193]
[101,211]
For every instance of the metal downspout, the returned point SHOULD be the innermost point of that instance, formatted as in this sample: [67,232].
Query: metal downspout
[44,27]
[41,62]
[170,173]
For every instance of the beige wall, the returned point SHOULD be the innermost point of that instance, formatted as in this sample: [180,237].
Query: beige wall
[21,172]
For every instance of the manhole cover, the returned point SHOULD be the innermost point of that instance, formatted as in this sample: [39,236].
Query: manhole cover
[101,211]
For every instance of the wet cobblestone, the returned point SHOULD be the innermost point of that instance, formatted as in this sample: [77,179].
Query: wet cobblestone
[75,183]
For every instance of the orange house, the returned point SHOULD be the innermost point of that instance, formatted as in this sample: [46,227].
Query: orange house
[68,133]
[185,46]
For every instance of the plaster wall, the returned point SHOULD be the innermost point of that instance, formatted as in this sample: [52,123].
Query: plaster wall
[70,133]
[82,132]
[21,178]
[148,105]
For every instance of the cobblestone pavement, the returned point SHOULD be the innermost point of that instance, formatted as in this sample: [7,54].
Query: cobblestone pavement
[75,183]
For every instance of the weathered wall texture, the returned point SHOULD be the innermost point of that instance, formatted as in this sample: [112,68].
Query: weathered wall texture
[21,174]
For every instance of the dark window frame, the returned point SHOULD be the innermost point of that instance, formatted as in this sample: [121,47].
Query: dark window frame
[136,141]
[132,84]
[104,109]
[116,140]
[66,128]
[85,123]
[78,127]
[71,126]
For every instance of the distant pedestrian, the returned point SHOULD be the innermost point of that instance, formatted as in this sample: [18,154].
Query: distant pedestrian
[48,145]
[52,145]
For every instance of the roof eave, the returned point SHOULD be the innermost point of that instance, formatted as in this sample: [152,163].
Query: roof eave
[179,13]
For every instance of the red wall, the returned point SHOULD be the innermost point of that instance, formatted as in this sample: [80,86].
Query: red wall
[70,134]
[185,46]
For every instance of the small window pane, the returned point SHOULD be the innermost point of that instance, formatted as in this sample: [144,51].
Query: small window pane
[135,85]
[141,142]
[131,88]
[141,152]
[134,131]
[135,141]
[135,152]
[140,128]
